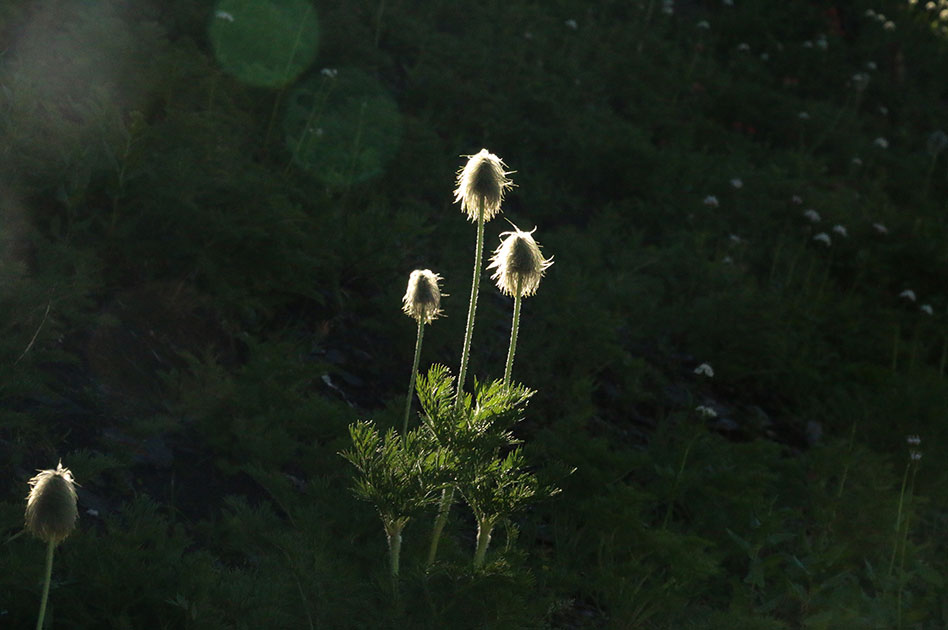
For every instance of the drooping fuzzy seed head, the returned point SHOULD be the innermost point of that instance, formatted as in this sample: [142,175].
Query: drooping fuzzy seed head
[482,184]
[518,263]
[422,300]
[51,505]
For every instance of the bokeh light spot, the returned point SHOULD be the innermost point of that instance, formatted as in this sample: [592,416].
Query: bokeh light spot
[265,43]
[343,127]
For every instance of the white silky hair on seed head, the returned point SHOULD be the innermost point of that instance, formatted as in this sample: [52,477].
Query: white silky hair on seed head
[51,511]
[518,259]
[422,300]
[482,184]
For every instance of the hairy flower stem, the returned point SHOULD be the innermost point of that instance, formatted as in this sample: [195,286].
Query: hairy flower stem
[414,372]
[447,498]
[472,306]
[515,326]
[484,529]
[394,533]
[49,573]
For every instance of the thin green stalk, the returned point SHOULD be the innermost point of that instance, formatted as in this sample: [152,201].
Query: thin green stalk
[681,471]
[895,348]
[515,326]
[472,305]
[49,574]
[447,498]
[414,372]
[898,518]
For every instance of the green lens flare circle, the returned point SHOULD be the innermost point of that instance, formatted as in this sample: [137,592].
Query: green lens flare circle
[342,126]
[264,43]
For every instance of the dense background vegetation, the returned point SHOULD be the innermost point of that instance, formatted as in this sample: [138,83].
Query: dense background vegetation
[208,214]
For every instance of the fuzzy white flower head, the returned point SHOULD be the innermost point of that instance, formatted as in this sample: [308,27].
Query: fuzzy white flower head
[913,440]
[870,13]
[927,309]
[737,183]
[889,25]
[880,228]
[743,47]
[796,200]
[519,264]
[841,230]
[329,73]
[860,81]
[931,6]
[481,185]
[871,65]
[812,215]
[706,412]
[571,24]
[915,455]
[824,238]
[711,201]
[51,505]
[734,238]
[422,300]
[703,24]
[881,142]
[908,294]
[705,370]
[224,15]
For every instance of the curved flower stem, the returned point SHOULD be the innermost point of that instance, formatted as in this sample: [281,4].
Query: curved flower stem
[49,573]
[447,498]
[414,372]
[484,529]
[515,326]
[472,306]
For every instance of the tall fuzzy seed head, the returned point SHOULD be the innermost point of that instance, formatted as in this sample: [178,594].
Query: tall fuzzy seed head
[422,300]
[518,259]
[51,505]
[481,184]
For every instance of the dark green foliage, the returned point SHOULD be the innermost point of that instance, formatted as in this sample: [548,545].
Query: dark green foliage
[203,241]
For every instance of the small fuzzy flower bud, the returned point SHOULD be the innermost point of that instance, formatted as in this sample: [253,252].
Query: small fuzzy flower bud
[422,300]
[51,505]
[481,184]
[518,261]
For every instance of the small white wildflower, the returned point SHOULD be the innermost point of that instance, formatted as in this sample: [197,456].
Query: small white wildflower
[711,201]
[915,455]
[703,24]
[913,440]
[737,183]
[824,238]
[870,13]
[706,412]
[889,25]
[841,230]
[705,370]
[927,309]
[734,238]
[796,200]
[856,161]
[743,47]
[808,44]
[908,294]
[668,7]
[943,15]
[764,56]
[871,65]
[330,73]
[803,116]
[860,81]
[931,6]
[571,24]
[519,264]
[881,142]
[821,42]
[880,228]
[224,15]
[936,143]
[812,215]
